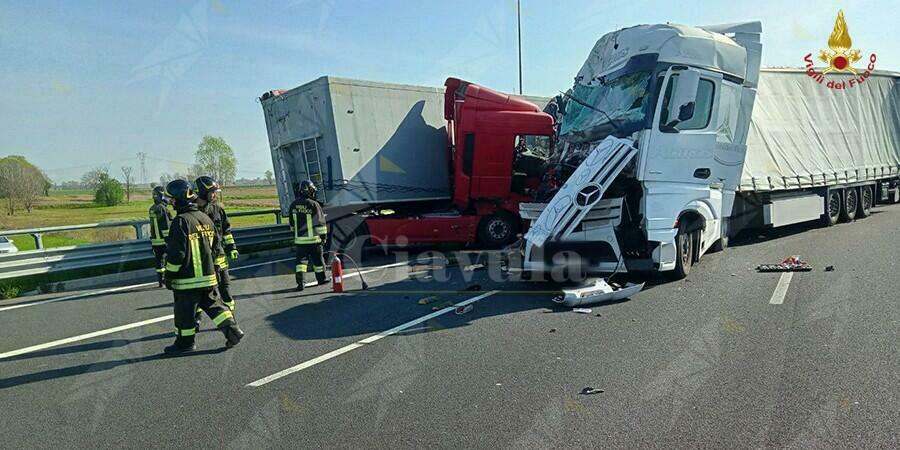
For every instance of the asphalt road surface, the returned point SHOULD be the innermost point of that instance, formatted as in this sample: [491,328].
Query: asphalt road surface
[721,359]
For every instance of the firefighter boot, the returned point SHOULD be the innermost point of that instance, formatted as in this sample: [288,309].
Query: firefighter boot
[233,335]
[159,278]
[321,278]
[299,277]
[182,344]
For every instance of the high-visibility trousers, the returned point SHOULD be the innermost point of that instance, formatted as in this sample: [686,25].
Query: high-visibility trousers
[309,259]
[207,299]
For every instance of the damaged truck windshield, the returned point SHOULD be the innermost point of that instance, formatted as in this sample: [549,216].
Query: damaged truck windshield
[598,110]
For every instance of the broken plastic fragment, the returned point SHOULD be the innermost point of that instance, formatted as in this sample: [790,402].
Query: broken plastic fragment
[582,310]
[464,309]
[597,291]
[591,391]
[429,299]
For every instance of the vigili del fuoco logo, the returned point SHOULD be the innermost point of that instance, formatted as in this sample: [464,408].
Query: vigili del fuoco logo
[840,59]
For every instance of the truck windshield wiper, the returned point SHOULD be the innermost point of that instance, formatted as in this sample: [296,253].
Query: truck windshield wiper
[582,103]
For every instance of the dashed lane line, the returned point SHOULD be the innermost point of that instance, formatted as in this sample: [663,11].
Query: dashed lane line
[360,343]
[781,288]
[129,326]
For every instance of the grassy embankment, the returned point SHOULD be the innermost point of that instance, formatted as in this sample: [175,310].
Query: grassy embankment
[71,207]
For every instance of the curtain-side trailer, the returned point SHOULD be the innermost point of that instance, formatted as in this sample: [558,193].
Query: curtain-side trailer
[673,139]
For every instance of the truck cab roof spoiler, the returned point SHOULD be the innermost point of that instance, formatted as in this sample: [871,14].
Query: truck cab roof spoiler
[483,98]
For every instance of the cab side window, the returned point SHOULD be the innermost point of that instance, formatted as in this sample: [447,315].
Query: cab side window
[702,109]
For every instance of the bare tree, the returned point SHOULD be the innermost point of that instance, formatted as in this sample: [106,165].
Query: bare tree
[11,175]
[269,177]
[33,186]
[91,179]
[129,179]
[20,182]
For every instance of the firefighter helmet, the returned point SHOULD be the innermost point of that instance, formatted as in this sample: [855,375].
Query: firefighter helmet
[181,192]
[159,194]
[206,185]
[307,188]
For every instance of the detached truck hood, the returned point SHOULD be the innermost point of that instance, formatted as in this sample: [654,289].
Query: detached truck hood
[582,190]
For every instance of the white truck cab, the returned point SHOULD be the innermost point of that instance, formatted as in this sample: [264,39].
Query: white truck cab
[655,129]
[673,137]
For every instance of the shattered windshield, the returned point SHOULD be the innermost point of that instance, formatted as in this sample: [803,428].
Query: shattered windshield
[596,111]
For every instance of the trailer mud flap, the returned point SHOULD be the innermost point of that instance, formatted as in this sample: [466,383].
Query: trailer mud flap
[582,191]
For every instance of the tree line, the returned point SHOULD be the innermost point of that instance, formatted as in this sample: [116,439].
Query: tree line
[22,183]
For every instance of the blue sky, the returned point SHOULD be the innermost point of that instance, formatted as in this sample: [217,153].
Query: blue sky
[90,83]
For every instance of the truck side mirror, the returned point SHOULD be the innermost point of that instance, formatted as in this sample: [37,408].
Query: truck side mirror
[686,94]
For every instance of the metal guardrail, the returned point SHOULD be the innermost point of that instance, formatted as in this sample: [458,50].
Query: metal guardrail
[38,233]
[59,259]
[38,262]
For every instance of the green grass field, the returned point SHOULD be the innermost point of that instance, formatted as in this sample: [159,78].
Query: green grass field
[72,207]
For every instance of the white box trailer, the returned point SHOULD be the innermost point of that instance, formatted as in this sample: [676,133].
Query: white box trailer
[363,143]
[672,139]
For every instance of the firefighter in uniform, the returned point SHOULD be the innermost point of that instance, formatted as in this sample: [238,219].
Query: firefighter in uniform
[160,219]
[192,248]
[308,225]
[207,193]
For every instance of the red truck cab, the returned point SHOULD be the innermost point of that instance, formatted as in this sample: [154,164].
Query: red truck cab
[489,135]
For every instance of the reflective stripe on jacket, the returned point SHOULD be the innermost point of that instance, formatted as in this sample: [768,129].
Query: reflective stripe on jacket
[160,221]
[192,249]
[307,221]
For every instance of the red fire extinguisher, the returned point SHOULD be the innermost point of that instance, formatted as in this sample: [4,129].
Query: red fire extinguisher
[337,275]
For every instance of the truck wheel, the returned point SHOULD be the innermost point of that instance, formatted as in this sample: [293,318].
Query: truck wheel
[851,204]
[722,243]
[866,199]
[684,256]
[350,239]
[832,208]
[497,230]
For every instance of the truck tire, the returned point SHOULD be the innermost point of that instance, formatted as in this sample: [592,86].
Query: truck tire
[497,230]
[833,202]
[722,243]
[850,205]
[684,253]
[866,200]
[350,237]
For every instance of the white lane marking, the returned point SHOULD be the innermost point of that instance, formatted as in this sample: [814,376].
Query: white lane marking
[82,337]
[368,340]
[72,297]
[129,326]
[781,288]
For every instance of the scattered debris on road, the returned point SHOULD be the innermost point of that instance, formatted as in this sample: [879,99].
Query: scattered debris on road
[429,299]
[464,309]
[442,306]
[582,310]
[596,291]
[591,391]
[473,267]
[553,330]
[829,269]
[474,287]
[790,264]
